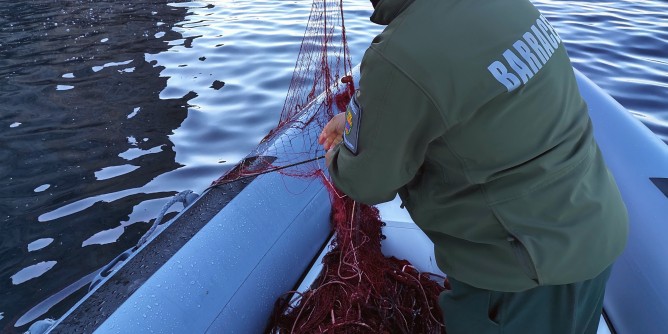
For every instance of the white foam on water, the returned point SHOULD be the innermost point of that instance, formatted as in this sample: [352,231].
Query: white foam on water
[39,244]
[114,171]
[134,113]
[33,271]
[42,188]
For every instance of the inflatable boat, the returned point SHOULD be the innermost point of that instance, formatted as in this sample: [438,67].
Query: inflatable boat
[219,266]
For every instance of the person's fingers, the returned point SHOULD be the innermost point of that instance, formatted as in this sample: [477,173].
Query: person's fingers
[325,133]
[332,130]
[328,157]
[335,125]
[333,141]
[321,137]
[339,123]
[329,143]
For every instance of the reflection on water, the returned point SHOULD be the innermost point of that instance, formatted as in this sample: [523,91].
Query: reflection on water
[39,244]
[32,271]
[81,117]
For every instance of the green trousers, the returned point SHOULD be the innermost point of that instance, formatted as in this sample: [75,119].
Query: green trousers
[560,309]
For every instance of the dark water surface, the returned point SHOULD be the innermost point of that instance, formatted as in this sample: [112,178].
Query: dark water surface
[108,108]
[622,46]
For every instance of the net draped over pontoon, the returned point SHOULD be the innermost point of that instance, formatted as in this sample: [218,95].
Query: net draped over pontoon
[359,290]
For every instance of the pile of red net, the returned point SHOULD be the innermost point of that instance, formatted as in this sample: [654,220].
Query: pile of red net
[360,290]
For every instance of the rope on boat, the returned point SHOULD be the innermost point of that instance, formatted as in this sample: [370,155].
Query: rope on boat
[186,197]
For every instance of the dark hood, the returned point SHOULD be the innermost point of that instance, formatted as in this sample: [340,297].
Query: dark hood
[386,10]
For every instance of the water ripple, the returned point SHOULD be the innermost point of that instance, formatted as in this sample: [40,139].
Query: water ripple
[623,47]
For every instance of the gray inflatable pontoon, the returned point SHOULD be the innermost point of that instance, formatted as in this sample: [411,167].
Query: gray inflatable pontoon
[219,266]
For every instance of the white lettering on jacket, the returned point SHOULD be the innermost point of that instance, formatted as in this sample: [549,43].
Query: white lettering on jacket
[527,55]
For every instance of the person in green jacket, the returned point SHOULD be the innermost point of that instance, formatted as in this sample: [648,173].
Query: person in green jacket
[470,111]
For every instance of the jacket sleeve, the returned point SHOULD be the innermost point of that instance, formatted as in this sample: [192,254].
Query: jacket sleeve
[397,123]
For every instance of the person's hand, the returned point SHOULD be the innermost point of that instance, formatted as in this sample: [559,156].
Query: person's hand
[328,157]
[332,135]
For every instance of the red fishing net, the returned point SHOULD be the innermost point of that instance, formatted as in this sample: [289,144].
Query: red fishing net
[323,60]
[359,290]
[321,86]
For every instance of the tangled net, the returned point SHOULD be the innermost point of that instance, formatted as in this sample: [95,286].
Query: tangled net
[359,289]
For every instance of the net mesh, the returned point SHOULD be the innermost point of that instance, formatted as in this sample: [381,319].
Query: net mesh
[359,290]
[321,86]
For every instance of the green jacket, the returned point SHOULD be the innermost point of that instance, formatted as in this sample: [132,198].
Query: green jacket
[471,112]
